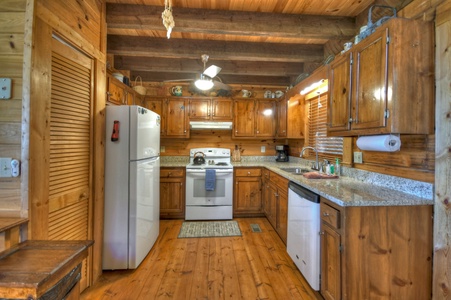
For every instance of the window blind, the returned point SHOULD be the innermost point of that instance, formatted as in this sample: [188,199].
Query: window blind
[328,147]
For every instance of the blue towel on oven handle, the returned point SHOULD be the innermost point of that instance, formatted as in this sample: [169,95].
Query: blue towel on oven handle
[210,179]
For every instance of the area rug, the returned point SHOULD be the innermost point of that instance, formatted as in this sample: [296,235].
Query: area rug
[209,229]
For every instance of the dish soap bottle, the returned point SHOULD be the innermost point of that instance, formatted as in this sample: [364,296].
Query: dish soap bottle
[337,167]
[236,155]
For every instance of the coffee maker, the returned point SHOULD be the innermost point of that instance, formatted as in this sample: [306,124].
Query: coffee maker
[281,152]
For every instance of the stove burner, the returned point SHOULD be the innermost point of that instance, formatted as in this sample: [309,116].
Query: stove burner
[221,164]
[198,163]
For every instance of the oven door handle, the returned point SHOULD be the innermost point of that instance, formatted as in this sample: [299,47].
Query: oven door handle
[198,171]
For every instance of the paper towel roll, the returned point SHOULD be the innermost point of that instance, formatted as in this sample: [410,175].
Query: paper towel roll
[387,143]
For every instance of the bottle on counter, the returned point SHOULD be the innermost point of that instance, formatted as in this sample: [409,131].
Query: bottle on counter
[337,167]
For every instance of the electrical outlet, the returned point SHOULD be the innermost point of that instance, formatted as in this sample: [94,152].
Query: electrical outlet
[358,157]
[263,149]
[5,167]
[162,149]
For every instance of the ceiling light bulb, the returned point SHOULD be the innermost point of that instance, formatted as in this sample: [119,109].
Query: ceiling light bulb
[203,83]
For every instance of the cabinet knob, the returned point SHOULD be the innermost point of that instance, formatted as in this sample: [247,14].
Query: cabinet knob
[248,173]
[326,214]
[321,233]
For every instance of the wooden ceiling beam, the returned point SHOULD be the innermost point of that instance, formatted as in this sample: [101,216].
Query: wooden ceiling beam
[126,16]
[217,50]
[228,79]
[137,63]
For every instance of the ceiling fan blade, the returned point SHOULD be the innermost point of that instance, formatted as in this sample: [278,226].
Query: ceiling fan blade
[221,86]
[212,71]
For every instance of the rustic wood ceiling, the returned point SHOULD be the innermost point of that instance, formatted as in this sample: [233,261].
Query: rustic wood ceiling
[264,42]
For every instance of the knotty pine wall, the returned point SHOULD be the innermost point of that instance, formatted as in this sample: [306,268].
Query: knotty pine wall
[12,20]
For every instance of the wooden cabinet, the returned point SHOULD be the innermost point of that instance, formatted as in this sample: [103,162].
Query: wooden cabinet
[376,250]
[295,118]
[174,116]
[281,125]
[247,199]
[205,109]
[385,83]
[254,118]
[172,193]
[119,93]
[275,202]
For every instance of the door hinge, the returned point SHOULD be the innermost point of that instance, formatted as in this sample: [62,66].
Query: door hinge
[386,114]
[388,40]
[340,248]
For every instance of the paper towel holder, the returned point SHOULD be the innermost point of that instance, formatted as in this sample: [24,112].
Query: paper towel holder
[391,143]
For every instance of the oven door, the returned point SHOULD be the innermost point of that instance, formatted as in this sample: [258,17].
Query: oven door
[196,194]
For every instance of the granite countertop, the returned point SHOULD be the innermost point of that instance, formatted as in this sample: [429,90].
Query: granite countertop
[354,188]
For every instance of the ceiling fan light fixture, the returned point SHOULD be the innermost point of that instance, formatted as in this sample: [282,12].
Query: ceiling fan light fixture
[204,83]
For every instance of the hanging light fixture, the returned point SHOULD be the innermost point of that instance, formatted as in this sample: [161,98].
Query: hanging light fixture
[168,19]
[204,83]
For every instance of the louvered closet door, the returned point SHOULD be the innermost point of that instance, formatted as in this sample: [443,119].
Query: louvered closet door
[70,146]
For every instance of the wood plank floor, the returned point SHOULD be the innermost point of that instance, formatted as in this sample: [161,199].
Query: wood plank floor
[253,266]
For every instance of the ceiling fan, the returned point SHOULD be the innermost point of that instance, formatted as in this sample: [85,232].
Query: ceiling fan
[206,80]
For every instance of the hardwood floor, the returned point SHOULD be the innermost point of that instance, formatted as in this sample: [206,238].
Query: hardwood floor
[253,266]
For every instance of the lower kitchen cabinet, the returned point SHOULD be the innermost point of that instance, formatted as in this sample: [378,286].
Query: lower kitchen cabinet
[382,252]
[172,193]
[247,199]
[275,202]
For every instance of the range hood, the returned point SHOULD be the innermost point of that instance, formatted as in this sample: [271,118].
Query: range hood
[210,125]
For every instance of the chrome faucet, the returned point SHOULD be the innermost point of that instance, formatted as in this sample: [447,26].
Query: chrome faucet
[316,167]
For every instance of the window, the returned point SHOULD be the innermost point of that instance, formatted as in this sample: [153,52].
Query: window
[328,148]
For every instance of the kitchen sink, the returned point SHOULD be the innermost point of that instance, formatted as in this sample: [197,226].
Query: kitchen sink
[296,170]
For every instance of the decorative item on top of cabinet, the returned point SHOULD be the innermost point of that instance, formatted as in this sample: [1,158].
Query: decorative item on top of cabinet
[385,83]
[247,200]
[204,109]
[172,193]
[275,202]
[366,243]
[254,118]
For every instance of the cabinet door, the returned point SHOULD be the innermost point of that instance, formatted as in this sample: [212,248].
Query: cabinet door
[295,118]
[265,117]
[370,96]
[244,123]
[339,110]
[115,93]
[199,109]
[282,214]
[130,98]
[177,118]
[247,198]
[221,109]
[281,130]
[330,263]
[156,105]
[172,198]
[270,204]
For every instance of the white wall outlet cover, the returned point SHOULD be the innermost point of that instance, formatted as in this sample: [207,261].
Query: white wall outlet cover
[5,167]
[358,157]
[15,168]
[5,88]
[263,149]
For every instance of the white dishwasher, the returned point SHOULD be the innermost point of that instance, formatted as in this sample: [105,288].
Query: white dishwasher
[303,240]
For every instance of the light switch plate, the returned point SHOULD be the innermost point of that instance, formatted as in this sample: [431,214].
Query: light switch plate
[5,88]
[358,157]
[5,167]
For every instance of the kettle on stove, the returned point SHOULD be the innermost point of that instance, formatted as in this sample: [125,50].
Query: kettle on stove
[199,158]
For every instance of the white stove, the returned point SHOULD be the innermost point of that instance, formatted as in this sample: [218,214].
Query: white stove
[209,195]
[215,158]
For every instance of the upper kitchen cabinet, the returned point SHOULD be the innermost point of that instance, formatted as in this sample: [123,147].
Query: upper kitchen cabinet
[281,130]
[254,118]
[295,118]
[384,84]
[174,116]
[204,109]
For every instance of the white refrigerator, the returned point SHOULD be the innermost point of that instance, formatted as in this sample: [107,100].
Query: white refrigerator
[132,185]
